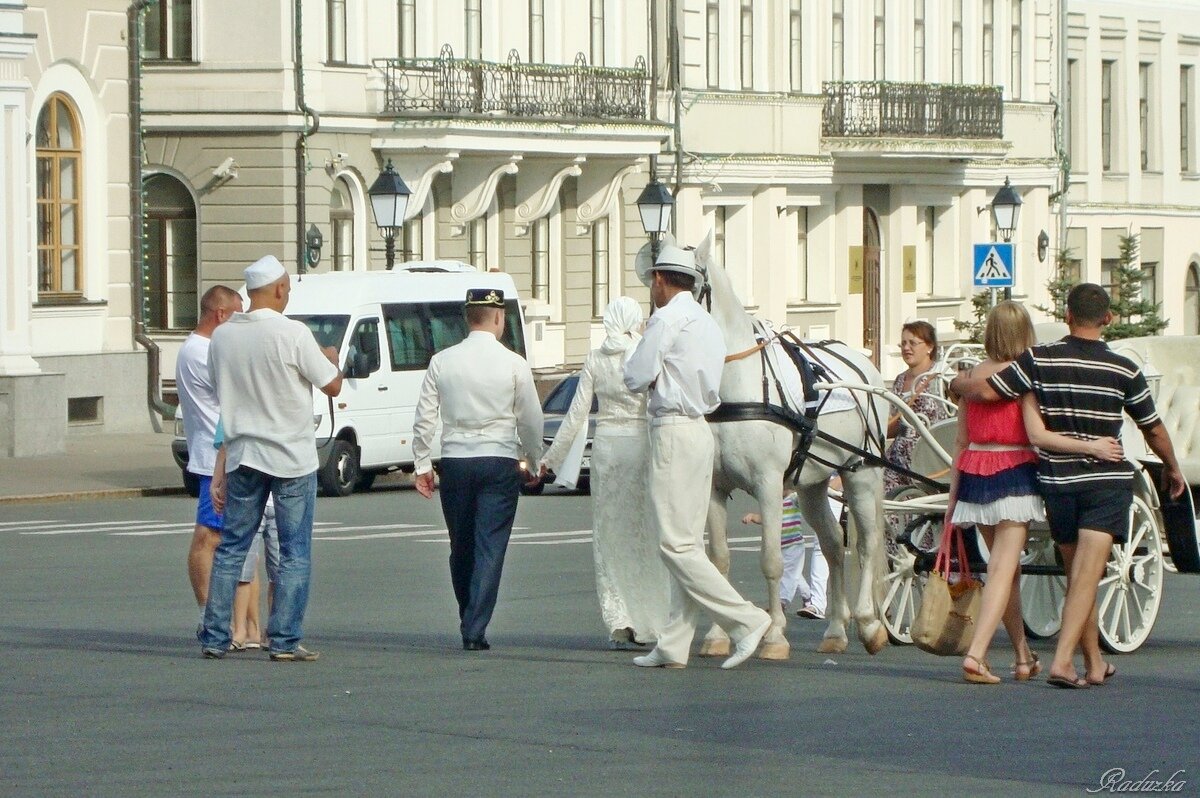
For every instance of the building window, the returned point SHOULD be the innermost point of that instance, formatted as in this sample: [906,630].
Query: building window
[1185,119]
[537,31]
[719,216]
[837,44]
[172,281]
[408,28]
[796,44]
[1149,283]
[341,223]
[167,31]
[919,41]
[928,281]
[1191,301]
[1144,113]
[1108,277]
[541,259]
[474,18]
[597,32]
[1014,88]
[59,193]
[712,33]
[747,36]
[1071,122]
[337,31]
[802,254]
[1106,114]
[600,267]
[987,47]
[956,42]
[477,249]
[880,61]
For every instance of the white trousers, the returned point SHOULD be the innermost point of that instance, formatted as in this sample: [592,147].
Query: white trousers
[812,589]
[681,463]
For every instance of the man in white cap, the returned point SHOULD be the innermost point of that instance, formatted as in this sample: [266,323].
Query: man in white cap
[679,360]
[484,394]
[264,367]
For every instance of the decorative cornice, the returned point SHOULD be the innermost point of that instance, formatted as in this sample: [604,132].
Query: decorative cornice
[900,147]
[539,204]
[421,192]
[476,200]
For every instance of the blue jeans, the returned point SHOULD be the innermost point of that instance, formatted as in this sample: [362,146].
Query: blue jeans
[479,502]
[246,497]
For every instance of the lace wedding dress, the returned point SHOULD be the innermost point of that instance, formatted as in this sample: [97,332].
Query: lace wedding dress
[631,580]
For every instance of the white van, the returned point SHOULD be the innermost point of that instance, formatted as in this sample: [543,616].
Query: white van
[386,325]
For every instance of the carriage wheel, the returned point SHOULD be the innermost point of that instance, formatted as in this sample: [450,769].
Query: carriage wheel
[903,586]
[1131,588]
[1042,596]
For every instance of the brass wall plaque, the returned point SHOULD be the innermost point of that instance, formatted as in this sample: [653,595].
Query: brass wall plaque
[910,268]
[856,270]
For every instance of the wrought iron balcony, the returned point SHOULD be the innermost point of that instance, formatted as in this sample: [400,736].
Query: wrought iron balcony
[879,109]
[461,86]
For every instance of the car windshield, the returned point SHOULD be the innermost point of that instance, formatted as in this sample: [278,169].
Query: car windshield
[559,399]
[328,330]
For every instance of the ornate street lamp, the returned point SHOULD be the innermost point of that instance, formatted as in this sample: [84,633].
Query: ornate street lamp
[655,204]
[1006,209]
[389,201]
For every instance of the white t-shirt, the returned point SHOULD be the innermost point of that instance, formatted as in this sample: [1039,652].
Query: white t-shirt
[264,366]
[197,403]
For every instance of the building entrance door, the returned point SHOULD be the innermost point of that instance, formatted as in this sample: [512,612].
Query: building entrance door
[871,284]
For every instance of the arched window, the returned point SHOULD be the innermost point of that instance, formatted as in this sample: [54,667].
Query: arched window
[341,220]
[1191,301]
[59,191]
[170,254]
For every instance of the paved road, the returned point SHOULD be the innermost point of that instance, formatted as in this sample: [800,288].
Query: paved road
[103,692]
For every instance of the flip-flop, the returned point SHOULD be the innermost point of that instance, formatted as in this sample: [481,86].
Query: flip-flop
[1067,684]
[251,645]
[234,645]
[1109,672]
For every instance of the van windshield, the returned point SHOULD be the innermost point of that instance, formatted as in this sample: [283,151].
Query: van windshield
[328,330]
[418,330]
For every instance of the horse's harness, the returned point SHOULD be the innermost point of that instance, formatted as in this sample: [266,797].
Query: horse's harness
[803,423]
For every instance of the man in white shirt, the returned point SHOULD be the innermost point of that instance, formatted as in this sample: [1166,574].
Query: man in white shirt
[199,410]
[679,360]
[264,367]
[490,416]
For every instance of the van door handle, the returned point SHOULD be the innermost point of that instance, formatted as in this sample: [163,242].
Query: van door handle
[381,388]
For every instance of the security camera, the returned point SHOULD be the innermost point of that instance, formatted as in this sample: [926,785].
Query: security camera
[227,169]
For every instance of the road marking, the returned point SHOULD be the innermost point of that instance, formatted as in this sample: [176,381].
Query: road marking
[100,527]
[29,523]
[548,542]
[411,533]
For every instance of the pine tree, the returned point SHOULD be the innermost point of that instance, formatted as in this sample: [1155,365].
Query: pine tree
[1060,285]
[1133,316]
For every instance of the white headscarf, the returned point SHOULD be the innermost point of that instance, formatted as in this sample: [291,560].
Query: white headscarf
[622,318]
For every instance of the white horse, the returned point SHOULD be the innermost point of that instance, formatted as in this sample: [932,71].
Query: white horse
[752,455]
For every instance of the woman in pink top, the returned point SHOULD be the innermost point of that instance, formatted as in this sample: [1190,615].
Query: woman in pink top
[993,487]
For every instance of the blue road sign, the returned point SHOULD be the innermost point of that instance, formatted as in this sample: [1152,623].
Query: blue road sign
[993,266]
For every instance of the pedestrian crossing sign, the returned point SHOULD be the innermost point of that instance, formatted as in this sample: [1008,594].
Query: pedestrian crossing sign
[993,265]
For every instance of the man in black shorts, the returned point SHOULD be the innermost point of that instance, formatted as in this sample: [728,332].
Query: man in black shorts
[1082,387]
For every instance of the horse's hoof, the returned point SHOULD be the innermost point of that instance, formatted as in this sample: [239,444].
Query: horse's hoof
[714,648]
[775,651]
[877,642]
[832,645]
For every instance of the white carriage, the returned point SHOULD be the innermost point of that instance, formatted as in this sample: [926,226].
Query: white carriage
[1163,534]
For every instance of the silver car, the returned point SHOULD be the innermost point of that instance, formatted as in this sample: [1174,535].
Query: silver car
[554,409]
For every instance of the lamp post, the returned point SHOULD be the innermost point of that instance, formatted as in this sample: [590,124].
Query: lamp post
[655,204]
[1006,210]
[389,201]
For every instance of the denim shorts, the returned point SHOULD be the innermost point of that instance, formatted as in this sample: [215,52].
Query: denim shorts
[205,514]
[1102,509]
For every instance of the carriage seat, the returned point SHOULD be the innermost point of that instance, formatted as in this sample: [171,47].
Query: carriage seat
[1177,359]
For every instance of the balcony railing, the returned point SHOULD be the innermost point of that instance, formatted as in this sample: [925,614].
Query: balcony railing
[458,86]
[876,109]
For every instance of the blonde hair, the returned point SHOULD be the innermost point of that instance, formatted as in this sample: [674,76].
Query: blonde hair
[1009,331]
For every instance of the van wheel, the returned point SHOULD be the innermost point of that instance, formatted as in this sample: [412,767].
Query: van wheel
[365,481]
[340,472]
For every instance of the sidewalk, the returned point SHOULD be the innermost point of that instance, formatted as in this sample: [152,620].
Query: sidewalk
[94,466]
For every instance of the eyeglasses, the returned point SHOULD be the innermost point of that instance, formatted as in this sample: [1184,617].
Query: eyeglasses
[912,344]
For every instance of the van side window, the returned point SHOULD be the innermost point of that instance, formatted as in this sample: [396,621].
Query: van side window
[407,339]
[418,330]
[364,345]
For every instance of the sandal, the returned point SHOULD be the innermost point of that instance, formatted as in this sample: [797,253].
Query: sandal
[1110,671]
[1024,671]
[982,676]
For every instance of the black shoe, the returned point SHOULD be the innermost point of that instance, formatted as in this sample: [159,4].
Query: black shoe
[213,653]
[476,645]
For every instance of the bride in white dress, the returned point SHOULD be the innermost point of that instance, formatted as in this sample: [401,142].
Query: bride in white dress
[631,579]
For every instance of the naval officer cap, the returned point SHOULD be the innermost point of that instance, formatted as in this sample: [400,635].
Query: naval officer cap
[263,272]
[485,298]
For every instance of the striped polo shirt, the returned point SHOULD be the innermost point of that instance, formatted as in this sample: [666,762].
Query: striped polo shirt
[1082,387]
[793,527]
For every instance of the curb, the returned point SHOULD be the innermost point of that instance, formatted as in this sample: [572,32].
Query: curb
[80,495]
